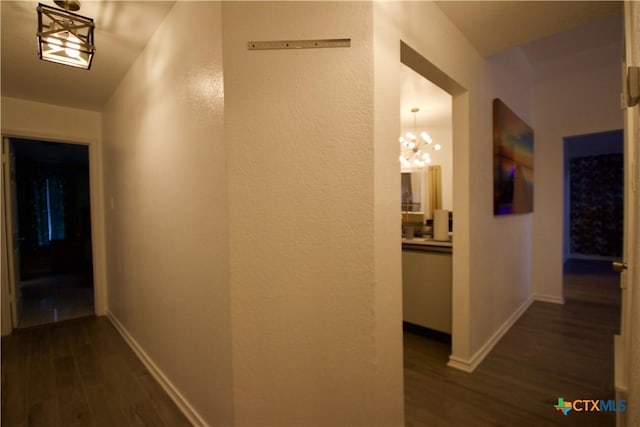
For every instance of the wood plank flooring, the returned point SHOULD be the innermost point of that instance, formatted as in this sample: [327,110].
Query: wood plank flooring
[552,351]
[79,373]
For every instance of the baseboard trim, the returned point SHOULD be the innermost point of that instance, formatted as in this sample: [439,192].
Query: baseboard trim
[469,365]
[548,298]
[175,395]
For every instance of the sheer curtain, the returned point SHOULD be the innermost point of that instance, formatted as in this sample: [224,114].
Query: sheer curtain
[48,209]
[435,189]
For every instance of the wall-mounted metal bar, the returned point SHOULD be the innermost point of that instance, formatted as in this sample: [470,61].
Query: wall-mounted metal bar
[298,44]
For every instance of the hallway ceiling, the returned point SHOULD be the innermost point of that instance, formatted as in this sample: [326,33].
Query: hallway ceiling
[600,29]
[124,27]
[122,30]
[494,26]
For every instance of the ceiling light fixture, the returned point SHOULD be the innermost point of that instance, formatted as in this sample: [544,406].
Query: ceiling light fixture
[65,37]
[415,146]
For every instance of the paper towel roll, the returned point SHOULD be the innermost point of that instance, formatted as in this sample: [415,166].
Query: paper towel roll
[441,225]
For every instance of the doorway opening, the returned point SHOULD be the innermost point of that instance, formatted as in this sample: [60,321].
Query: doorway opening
[594,196]
[49,198]
[593,218]
[428,99]
[426,195]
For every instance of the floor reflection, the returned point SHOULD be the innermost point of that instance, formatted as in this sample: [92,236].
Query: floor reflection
[54,298]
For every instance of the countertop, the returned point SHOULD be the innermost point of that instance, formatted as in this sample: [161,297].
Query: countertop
[427,243]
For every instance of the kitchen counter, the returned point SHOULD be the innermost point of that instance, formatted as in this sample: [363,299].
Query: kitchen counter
[427,244]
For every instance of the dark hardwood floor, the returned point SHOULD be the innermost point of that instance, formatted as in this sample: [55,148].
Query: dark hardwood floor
[552,351]
[79,373]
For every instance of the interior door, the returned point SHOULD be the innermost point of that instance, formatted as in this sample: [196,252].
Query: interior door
[626,342]
[11,235]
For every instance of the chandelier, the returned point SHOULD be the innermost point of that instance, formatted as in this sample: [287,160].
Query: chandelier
[415,146]
[64,37]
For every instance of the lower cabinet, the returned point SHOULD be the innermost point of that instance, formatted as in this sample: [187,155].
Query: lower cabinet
[426,289]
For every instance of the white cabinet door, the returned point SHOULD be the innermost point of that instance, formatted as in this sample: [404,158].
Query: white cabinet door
[426,289]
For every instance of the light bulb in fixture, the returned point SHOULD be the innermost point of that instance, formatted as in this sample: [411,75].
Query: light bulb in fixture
[73,45]
[426,137]
[437,147]
[65,40]
[53,43]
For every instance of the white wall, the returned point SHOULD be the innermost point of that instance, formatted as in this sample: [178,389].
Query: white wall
[167,209]
[308,348]
[575,94]
[22,118]
[388,253]
[34,120]
[248,265]
[492,255]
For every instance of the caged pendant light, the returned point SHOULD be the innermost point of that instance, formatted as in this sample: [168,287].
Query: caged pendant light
[65,37]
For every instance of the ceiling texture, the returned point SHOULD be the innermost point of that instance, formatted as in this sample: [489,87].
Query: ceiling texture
[494,26]
[122,30]
[544,31]
[124,27]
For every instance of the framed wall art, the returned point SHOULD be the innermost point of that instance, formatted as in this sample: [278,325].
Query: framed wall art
[512,162]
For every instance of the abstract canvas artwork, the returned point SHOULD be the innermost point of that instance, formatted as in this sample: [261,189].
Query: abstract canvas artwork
[512,162]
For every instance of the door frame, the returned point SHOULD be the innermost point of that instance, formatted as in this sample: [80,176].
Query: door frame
[460,332]
[98,241]
[10,232]
[627,344]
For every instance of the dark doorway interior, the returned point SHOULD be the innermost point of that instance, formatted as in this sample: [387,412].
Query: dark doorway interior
[54,222]
[594,196]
